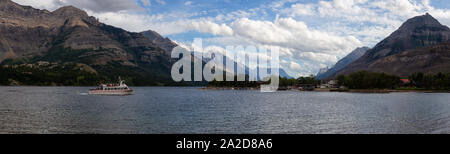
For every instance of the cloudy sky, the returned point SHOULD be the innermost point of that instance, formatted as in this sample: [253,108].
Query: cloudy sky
[311,34]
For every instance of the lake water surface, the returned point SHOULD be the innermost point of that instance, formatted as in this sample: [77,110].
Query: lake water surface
[163,110]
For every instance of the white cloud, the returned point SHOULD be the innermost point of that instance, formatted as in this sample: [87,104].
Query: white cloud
[367,20]
[287,32]
[317,57]
[126,20]
[299,10]
[102,5]
[141,22]
[311,35]
[204,26]
[162,2]
[89,5]
[294,66]
[399,7]
[42,4]
[379,12]
[146,2]
[210,27]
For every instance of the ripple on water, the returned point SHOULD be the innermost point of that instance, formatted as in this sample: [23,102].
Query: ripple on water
[190,110]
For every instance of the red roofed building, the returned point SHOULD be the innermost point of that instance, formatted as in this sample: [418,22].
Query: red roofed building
[405,82]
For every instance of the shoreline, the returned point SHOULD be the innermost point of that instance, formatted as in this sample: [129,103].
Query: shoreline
[397,91]
[338,90]
[229,88]
[387,91]
[283,89]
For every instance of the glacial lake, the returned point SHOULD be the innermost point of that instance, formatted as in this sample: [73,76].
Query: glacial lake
[162,110]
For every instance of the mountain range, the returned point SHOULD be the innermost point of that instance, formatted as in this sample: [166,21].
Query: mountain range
[350,58]
[69,35]
[421,44]
[69,38]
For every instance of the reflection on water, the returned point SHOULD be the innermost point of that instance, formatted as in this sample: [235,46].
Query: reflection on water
[190,110]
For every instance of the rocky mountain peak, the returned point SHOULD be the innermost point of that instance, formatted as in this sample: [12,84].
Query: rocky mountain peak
[152,35]
[421,21]
[160,41]
[70,11]
[419,32]
[10,8]
[2,2]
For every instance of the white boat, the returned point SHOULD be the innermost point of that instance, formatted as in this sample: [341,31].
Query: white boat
[112,89]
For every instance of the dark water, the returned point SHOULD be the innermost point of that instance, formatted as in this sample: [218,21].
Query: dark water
[190,110]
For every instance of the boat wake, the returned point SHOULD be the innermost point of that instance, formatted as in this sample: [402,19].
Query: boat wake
[83,93]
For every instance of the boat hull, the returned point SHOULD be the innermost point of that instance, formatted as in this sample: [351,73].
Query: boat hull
[111,92]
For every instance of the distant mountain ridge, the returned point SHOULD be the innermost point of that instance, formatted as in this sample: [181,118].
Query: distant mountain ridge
[408,50]
[350,58]
[282,73]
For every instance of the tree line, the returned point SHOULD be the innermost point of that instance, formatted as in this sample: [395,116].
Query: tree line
[57,76]
[439,81]
[284,82]
[369,80]
[374,80]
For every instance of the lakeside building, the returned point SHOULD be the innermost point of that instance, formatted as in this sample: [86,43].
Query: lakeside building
[405,82]
[330,84]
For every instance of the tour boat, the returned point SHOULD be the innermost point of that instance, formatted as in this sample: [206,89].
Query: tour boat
[112,89]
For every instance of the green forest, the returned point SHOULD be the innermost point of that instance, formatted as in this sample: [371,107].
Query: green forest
[73,75]
[57,76]
[439,81]
[284,82]
[372,80]
[369,80]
